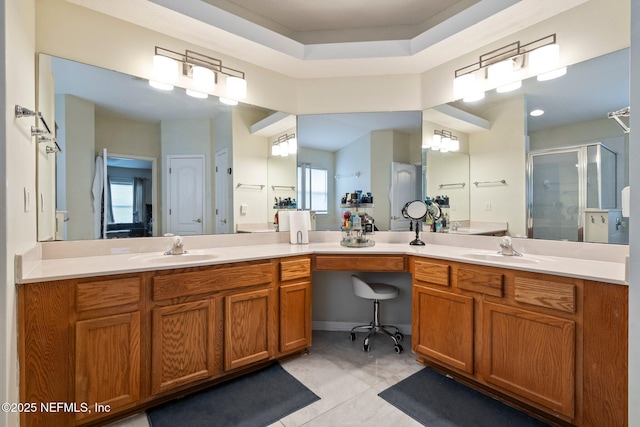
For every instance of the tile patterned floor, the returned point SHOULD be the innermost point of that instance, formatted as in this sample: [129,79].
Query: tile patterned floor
[347,380]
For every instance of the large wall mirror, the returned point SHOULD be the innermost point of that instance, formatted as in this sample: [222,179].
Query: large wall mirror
[558,175]
[167,162]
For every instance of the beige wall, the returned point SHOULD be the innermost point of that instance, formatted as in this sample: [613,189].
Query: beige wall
[497,154]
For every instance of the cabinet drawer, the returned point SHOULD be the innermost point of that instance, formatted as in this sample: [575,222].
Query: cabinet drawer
[295,269]
[436,274]
[99,294]
[210,280]
[481,281]
[545,293]
[360,263]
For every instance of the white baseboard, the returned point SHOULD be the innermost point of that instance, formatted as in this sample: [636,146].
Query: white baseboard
[321,325]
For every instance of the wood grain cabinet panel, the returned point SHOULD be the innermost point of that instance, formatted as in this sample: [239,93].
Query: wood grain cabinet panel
[545,293]
[480,281]
[98,294]
[360,263]
[532,355]
[295,269]
[246,328]
[436,274]
[183,344]
[442,327]
[108,362]
[295,316]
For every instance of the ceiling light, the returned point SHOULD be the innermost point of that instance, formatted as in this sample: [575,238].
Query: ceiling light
[536,113]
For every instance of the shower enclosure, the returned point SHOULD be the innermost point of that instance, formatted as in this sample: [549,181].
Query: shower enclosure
[562,183]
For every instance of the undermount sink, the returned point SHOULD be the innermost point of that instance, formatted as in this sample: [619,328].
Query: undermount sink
[467,230]
[496,257]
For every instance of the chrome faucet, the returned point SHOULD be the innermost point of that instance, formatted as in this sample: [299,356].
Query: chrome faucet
[507,247]
[455,226]
[177,248]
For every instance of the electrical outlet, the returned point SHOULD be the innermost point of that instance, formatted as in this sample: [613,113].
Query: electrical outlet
[487,206]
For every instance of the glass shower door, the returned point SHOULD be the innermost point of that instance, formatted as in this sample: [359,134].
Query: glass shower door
[555,205]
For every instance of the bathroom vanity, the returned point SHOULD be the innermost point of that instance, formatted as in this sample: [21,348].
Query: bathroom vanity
[116,334]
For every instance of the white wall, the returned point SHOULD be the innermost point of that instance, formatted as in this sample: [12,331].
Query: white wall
[250,153]
[634,234]
[497,154]
[18,176]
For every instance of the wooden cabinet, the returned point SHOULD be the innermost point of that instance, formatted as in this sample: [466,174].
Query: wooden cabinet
[295,304]
[183,344]
[532,355]
[107,343]
[442,327]
[247,328]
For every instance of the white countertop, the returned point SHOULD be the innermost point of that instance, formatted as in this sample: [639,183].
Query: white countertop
[65,260]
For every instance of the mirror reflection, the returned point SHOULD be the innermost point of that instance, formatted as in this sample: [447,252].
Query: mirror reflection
[575,156]
[166,162]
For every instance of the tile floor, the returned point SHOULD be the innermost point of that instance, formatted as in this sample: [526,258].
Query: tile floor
[347,380]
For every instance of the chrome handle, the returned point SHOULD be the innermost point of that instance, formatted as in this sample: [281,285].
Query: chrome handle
[224,221]
[197,220]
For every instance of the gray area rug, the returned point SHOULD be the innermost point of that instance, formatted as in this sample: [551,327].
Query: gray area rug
[435,400]
[256,399]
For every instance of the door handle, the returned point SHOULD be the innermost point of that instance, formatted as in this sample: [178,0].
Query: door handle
[197,220]
[224,221]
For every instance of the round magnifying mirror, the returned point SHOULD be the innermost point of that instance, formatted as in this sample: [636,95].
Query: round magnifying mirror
[416,209]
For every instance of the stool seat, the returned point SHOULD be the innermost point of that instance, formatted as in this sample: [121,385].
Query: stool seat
[376,292]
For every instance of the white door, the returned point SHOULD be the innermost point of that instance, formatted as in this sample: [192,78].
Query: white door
[221,196]
[404,188]
[186,195]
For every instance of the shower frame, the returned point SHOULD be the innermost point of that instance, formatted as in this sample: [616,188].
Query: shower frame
[583,161]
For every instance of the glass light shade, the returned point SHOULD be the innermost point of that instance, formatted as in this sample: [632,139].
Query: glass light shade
[196,94]
[445,146]
[275,149]
[436,142]
[509,87]
[293,146]
[544,59]
[474,97]
[165,69]
[203,78]
[228,101]
[454,145]
[236,88]
[284,148]
[464,85]
[552,74]
[500,73]
[159,85]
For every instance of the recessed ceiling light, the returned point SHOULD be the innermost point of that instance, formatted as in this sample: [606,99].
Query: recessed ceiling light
[536,113]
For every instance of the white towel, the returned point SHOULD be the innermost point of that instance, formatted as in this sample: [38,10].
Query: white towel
[97,190]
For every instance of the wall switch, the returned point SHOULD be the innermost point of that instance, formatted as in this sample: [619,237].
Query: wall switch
[243,209]
[487,206]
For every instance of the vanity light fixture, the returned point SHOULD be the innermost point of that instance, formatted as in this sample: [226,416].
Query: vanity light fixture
[443,141]
[499,68]
[285,145]
[203,69]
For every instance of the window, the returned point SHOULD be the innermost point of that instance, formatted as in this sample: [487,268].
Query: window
[313,188]
[121,199]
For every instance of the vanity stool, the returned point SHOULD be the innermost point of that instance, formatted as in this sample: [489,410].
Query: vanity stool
[376,292]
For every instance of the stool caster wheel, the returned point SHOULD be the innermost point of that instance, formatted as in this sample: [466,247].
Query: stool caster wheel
[352,336]
[398,348]
[365,345]
[399,336]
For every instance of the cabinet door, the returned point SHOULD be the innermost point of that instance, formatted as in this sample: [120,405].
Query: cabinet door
[295,316]
[246,328]
[532,355]
[443,327]
[183,344]
[108,362]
